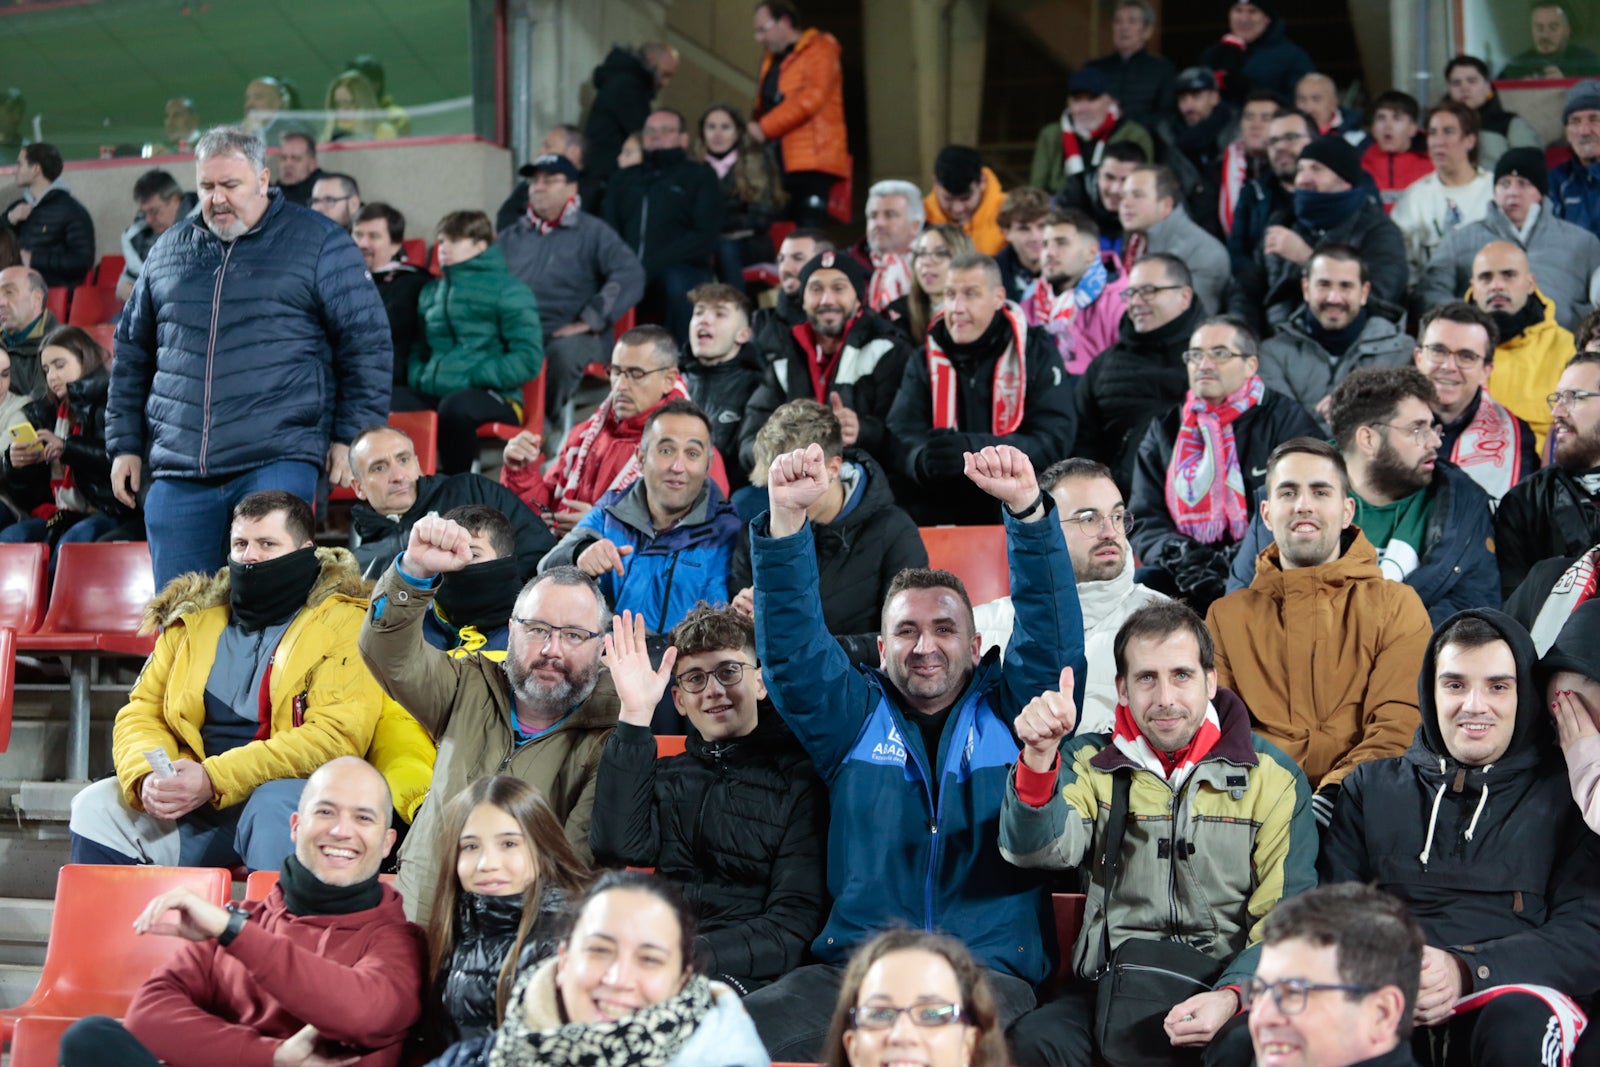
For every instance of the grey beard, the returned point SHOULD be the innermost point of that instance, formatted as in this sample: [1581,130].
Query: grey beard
[550,700]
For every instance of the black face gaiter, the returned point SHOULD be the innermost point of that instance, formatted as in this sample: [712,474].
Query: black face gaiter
[267,593]
[481,595]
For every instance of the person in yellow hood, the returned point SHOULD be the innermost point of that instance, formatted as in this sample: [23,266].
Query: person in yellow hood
[968,194]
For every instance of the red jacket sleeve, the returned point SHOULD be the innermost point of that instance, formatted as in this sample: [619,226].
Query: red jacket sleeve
[172,1016]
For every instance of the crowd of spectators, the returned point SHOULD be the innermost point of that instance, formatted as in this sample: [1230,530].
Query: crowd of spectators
[1290,423]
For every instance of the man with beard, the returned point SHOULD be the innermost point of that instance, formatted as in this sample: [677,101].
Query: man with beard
[1202,463]
[1141,377]
[1575,183]
[1338,329]
[966,194]
[1077,298]
[542,714]
[1493,447]
[1193,143]
[894,218]
[1429,522]
[1564,256]
[1533,349]
[1154,221]
[1076,143]
[393,494]
[1475,830]
[252,686]
[769,327]
[1269,193]
[1455,193]
[1553,54]
[252,352]
[1557,511]
[1098,193]
[1022,218]
[337,197]
[1095,523]
[985,379]
[662,545]
[844,355]
[725,370]
[1336,686]
[915,754]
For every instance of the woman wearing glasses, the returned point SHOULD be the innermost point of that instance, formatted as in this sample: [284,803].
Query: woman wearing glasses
[738,820]
[931,254]
[910,996]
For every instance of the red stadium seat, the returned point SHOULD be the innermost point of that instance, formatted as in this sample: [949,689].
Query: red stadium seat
[109,271]
[416,250]
[105,335]
[22,586]
[423,429]
[842,193]
[669,745]
[975,554]
[92,305]
[55,301]
[36,1041]
[94,961]
[532,413]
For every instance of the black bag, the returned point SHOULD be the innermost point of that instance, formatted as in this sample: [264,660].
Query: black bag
[1143,979]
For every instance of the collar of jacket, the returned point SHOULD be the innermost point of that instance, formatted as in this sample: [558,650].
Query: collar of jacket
[1357,562]
[1234,747]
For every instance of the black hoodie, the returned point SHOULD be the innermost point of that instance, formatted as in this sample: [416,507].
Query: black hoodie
[1493,861]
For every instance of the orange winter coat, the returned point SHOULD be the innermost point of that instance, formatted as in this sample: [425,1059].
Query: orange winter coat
[1326,658]
[984,225]
[808,122]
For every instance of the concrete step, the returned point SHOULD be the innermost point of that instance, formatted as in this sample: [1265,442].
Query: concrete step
[17,982]
[24,930]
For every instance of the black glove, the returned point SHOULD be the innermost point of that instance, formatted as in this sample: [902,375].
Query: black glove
[940,460]
[1201,573]
[1322,804]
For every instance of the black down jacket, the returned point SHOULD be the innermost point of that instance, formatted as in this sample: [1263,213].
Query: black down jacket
[60,234]
[486,928]
[232,355]
[740,826]
[83,451]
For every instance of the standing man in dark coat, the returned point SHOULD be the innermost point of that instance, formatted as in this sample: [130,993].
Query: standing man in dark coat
[253,350]
[624,85]
[54,231]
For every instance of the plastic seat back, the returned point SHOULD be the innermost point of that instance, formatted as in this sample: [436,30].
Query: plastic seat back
[22,586]
[92,305]
[105,335]
[37,1041]
[975,554]
[94,962]
[628,321]
[669,745]
[416,250]
[55,301]
[423,429]
[101,588]
[1068,909]
[109,271]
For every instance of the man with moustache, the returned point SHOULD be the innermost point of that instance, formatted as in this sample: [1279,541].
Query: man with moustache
[1339,328]
[1533,347]
[985,379]
[1336,686]
[542,714]
[844,355]
[1200,465]
[769,327]
[1429,521]
[894,218]
[1455,349]
[1271,192]
[1077,298]
[1556,512]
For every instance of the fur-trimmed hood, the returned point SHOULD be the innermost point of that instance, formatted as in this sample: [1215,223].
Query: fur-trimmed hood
[194,592]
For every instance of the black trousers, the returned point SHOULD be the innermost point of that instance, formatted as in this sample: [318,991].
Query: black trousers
[808,197]
[100,1041]
[460,415]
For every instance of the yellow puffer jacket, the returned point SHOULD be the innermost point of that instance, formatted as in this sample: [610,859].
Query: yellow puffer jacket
[984,225]
[1527,368]
[325,703]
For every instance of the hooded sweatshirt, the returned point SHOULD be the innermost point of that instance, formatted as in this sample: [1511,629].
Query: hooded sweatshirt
[1576,650]
[1494,861]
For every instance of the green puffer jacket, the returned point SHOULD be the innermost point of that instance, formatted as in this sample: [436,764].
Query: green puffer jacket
[480,330]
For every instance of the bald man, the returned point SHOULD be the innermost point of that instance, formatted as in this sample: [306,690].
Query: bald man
[1318,96]
[1533,347]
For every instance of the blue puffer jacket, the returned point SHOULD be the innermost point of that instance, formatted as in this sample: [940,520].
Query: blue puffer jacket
[233,355]
[1457,570]
[896,854]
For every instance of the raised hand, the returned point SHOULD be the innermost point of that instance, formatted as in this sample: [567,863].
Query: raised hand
[192,917]
[795,481]
[627,654]
[1048,718]
[849,421]
[437,546]
[1005,473]
[603,556]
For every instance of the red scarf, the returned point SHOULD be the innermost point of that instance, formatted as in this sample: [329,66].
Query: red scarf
[1575,586]
[1010,380]
[1489,450]
[891,279]
[1133,249]
[1235,169]
[822,367]
[573,203]
[1172,767]
[1205,487]
[570,463]
[1072,147]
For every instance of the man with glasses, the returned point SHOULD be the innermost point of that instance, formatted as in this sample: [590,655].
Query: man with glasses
[662,545]
[1269,193]
[1531,347]
[162,202]
[1143,375]
[1321,647]
[338,197]
[1476,433]
[540,714]
[1556,512]
[1336,980]
[1097,526]
[1474,829]
[739,820]
[602,452]
[1183,749]
[1200,465]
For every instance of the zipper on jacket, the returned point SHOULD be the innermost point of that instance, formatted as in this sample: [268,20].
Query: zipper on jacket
[937,804]
[449,320]
[1172,856]
[666,598]
[211,352]
[1146,968]
[644,223]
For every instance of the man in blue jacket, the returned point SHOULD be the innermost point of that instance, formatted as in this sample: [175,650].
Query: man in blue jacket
[915,754]
[253,350]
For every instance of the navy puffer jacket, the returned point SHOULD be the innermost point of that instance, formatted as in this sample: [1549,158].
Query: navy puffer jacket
[233,355]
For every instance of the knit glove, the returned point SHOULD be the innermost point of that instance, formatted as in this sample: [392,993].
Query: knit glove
[940,460]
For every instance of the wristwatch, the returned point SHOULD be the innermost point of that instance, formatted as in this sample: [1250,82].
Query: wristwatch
[236,921]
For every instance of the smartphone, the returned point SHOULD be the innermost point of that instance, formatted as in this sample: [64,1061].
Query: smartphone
[22,434]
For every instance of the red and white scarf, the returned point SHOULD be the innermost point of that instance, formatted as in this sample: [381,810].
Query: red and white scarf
[891,279]
[1072,142]
[1205,487]
[571,462]
[1570,1021]
[1235,171]
[1171,767]
[1489,450]
[574,202]
[1010,380]
[1575,585]
[819,364]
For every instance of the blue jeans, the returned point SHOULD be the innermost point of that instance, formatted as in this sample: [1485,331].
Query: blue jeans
[188,518]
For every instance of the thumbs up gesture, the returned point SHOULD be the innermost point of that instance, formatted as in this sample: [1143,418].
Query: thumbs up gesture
[1048,718]
[848,420]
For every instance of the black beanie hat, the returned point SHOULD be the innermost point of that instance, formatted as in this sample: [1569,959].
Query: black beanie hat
[843,262]
[1337,154]
[1524,163]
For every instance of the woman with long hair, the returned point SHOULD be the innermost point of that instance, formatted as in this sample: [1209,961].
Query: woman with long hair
[751,193]
[931,254]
